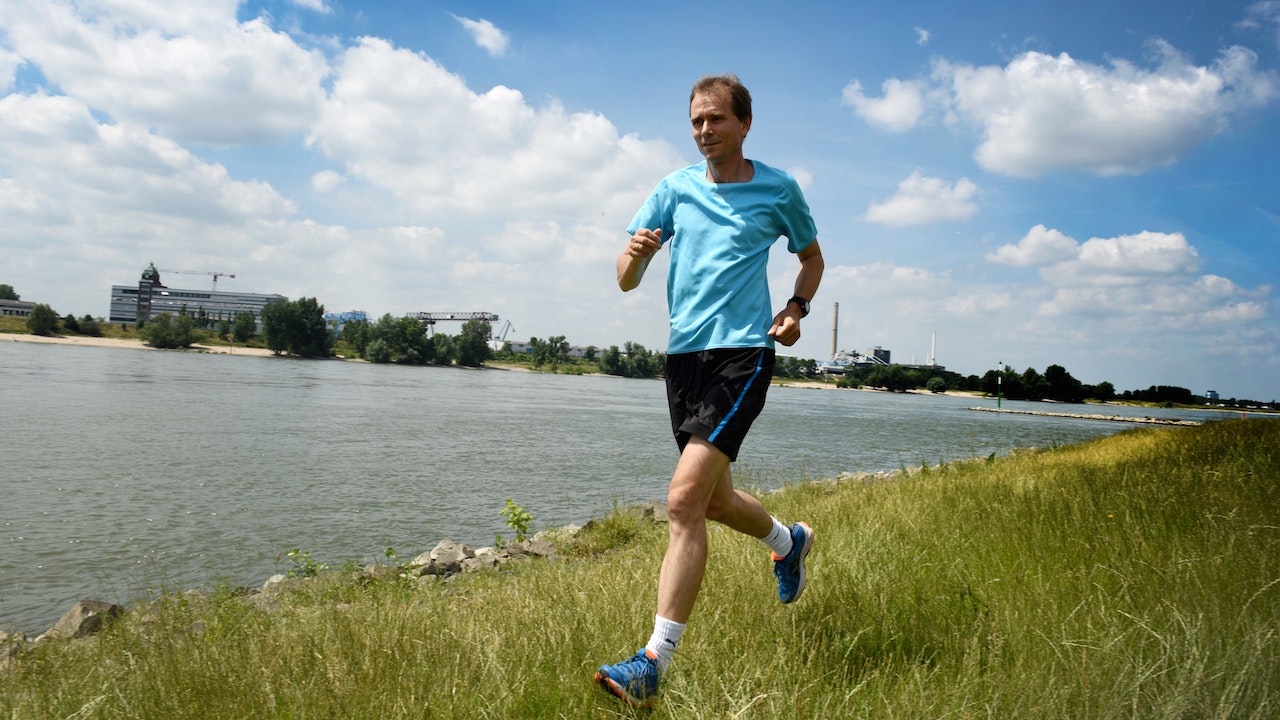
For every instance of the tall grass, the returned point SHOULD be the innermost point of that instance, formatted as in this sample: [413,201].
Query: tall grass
[1137,576]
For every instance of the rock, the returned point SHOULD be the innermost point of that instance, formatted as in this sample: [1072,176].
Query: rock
[447,551]
[87,617]
[445,559]
[10,644]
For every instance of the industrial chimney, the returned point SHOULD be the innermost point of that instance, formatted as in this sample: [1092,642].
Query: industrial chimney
[835,330]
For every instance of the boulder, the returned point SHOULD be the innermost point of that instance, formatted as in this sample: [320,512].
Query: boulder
[87,617]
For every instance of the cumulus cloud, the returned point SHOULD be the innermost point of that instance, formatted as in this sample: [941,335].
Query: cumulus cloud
[486,35]
[1043,112]
[922,36]
[898,110]
[119,168]
[1147,279]
[1100,261]
[1039,247]
[188,70]
[402,122]
[921,200]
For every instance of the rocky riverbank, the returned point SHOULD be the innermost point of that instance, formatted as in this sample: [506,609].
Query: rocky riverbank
[1147,420]
[446,560]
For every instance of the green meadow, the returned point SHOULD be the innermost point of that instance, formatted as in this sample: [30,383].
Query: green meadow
[1136,576]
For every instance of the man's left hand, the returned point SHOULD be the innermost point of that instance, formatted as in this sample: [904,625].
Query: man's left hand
[786,327]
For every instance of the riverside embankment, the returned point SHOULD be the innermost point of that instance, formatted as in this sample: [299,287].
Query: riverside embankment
[139,471]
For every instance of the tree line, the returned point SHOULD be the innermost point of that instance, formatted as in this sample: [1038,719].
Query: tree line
[298,327]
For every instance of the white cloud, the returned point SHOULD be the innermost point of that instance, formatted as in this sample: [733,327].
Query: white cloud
[188,70]
[326,181]
[922,36]
[9,64]
[898,110]
[57,150]
[922,200]
[1040,246]
[316,5]
[486,35]
[1126,260]
[1130,285]
[402,122]
[1043,112]
[1261,14]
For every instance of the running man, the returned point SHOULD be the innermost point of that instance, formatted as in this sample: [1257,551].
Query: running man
[719,219]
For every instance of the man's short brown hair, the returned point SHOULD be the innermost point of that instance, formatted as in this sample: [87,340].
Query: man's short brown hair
[739,96]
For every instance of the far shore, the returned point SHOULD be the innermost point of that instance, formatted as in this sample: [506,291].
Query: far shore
[86,341]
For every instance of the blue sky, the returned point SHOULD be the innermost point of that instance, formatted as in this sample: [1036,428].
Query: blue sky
[1089,184]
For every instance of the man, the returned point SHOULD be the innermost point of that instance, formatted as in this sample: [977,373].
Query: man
[719,219]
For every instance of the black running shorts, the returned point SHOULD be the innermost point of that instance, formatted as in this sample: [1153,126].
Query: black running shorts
[717,394]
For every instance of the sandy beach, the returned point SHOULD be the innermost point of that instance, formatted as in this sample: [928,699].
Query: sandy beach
[123,343]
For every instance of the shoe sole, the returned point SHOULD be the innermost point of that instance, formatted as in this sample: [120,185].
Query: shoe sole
[804,555]
[616,689]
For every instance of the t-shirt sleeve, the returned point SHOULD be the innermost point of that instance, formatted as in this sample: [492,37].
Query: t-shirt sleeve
[656,212]
[800,228]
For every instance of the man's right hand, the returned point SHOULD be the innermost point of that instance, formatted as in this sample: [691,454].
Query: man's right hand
[633,261]
[645,243]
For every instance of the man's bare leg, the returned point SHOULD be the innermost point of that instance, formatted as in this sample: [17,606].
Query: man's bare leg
[701,489]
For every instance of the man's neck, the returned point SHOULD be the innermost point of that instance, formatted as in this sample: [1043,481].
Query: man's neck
[738,170]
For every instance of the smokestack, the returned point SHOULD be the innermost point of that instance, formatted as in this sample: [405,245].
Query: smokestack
[933,349]
[835,330]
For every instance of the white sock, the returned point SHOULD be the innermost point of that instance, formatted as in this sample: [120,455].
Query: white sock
[778,539]
[665,638]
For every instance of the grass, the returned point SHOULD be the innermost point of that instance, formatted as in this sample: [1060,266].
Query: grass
[1136,576]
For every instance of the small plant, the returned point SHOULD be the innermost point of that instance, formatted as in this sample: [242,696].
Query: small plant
[518,519]
[304,566]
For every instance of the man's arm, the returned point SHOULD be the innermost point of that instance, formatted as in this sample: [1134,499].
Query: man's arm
[786,324]
[635,259]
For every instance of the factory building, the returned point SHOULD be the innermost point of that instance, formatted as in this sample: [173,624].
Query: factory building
[150,297]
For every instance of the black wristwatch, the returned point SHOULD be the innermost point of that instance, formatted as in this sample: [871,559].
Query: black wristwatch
[804,305]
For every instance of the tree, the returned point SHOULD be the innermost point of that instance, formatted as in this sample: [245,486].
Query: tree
[297,327]
[165,331]
[1063,387]
[472,346]
[1034,386]
[89,326]
[611,361]
[311,338]
[244,327]
[1103,391]
[356,334]
[42,320]
[278,325]
[7,293]
[392,340]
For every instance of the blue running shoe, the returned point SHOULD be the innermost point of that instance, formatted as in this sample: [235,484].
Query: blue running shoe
[790,569]
[634,680]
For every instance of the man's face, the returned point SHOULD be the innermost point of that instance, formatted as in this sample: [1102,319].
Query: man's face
[717,131]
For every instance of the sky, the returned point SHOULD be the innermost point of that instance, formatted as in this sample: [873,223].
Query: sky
[1090,184]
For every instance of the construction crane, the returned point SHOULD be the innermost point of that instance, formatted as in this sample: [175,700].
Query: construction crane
[215,275]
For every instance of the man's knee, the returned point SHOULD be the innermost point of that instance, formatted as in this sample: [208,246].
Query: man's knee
[686,505]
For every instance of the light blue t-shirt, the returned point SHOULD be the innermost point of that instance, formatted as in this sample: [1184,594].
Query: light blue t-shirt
[719,236]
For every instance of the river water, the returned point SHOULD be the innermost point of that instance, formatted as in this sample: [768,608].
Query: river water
[128,472]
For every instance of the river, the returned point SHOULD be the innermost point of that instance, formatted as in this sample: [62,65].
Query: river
[129,472]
